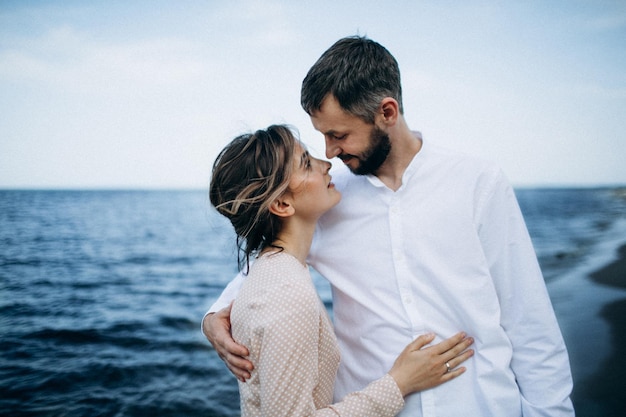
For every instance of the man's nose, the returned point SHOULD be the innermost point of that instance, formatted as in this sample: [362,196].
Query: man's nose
[332,149]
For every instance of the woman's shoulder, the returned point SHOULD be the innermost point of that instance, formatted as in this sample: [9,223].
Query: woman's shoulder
[278,278]
[279,268]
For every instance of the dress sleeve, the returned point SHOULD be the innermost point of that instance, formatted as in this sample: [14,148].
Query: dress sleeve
[540,360]
[380,398]
[289,365]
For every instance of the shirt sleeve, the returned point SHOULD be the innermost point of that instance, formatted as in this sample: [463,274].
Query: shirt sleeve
[228,294]
[540,360]
[288,365]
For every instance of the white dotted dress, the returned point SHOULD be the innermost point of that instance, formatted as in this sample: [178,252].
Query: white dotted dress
[279,317]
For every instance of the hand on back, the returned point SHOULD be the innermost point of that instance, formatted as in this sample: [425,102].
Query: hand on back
[216,328]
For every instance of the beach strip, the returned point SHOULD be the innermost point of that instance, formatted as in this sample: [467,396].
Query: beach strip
[606,388]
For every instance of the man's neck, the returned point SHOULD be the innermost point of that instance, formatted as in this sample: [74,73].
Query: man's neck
[403,149]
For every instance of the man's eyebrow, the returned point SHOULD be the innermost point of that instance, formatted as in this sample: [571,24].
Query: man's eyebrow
[334,133]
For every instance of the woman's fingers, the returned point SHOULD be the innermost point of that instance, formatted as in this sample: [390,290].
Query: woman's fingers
[421,341]
[453,352]
[462,345]
[450,343]
[455,361]
[458,349]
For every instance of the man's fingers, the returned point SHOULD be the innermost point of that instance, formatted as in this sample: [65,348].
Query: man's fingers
[233,355]
[232,348]
[240,373]
[237,362]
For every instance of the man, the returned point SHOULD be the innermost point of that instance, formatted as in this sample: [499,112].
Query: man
[424,239]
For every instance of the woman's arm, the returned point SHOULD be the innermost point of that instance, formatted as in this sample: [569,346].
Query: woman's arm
[285,345]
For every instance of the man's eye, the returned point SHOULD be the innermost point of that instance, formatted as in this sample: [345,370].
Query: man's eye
[336,137]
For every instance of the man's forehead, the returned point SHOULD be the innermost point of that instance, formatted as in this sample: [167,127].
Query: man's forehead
[330,121]
[326,127]
[335,125]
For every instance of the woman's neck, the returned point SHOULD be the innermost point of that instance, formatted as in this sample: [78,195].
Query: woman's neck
[295,238]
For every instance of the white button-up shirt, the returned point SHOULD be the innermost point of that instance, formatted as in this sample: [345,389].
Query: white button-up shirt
[447,251]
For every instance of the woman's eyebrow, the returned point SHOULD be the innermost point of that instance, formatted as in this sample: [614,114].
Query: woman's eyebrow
[304,158]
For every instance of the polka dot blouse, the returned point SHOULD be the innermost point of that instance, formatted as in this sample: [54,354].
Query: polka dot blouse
[280,318]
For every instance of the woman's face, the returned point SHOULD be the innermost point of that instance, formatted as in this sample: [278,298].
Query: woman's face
[310,185]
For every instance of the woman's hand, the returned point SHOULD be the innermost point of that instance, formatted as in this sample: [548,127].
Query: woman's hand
[418,368]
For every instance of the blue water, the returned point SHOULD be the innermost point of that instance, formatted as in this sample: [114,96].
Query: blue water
[102,292]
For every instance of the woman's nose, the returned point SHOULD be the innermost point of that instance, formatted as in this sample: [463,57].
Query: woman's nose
[323,164]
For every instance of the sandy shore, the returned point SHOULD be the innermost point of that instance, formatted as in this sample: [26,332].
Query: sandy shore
[613,274]
[604,393]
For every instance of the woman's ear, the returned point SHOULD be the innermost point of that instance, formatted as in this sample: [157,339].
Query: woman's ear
[282,207]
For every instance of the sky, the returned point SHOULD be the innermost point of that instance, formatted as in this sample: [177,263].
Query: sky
[144,94]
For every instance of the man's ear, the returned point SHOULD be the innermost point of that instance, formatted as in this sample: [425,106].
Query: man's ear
[389,110]
[282,207]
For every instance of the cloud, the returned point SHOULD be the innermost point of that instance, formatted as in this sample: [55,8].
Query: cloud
[70,60]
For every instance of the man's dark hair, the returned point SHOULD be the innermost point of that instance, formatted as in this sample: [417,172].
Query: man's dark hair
[358,72]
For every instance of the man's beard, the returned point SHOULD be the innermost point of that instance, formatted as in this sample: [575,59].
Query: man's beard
[374,156]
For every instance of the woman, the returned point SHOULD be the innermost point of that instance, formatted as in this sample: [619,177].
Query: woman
[273,192]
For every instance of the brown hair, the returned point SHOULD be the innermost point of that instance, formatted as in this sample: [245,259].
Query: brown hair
[248,175]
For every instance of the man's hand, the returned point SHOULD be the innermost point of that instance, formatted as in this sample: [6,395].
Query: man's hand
[216,328]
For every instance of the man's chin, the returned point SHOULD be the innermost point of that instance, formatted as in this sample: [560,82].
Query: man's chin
[358,169]
[357,166]
[352,164]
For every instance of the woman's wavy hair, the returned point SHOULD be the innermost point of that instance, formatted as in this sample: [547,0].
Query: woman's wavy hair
[248,175]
